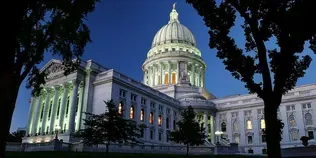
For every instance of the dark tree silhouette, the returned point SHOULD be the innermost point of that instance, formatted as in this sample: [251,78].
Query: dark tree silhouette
[280,68]
[110,127]
[37,28]
[15,136]
[189,131]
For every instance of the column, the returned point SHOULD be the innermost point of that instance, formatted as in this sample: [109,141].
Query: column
[178,72]
[144,79]
[193,74]
[54,109]
[169,73]
[147,133]
[87,95]
[79,110]
[137,109]
[171,119]
[156,114]
[154,75]
[46,107]
[164,123]
[213,127]
[71,120]
[205,123]
[63,105]
[161,74]
[35,114]
[30,115]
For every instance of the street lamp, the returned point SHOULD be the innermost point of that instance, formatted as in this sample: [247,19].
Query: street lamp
[57,128]
[218,133]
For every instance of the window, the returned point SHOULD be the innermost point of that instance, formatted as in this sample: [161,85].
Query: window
[159,120]
[67,106]
[310,134]
[152,105]
[122,93]
[133,97]
[160,107]
[143,101]
[174,124]
[293,107]
[308,119]
[292,121]
[173,49]
[131,112]
[151,118]
[173,78]
[236,139]
[294,135]
[167,123]
[151,134]
[58,108]
[249,139]
[142,114]
[264,151]
[120,108]
[262,124]
[168,111]
[288,108]
[159,136]
[249,125]
[235,126]
[166,78]
[309,105]
[50,109]
[263,138]
[223,127]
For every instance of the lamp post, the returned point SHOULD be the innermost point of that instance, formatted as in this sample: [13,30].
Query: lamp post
[218,133]
[57,128]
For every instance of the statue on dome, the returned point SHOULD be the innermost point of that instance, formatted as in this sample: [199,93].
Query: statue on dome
[174,5]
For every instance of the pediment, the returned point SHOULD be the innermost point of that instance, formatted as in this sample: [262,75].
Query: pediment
[53,68]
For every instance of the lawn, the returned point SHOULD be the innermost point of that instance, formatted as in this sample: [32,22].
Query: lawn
[111,155]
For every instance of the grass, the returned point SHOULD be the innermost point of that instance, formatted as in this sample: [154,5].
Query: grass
[111,155]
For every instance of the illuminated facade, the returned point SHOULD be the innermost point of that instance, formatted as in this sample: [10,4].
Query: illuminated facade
[174,78]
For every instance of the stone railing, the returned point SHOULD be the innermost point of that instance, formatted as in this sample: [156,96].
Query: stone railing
[197,102]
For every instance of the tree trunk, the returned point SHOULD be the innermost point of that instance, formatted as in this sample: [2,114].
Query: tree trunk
[8,95]
[188,147]
[107,148]
[272,130]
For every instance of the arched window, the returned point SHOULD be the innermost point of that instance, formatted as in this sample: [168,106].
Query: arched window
[120,108]
[235,126]
[249,125]
[142,114]
[223,127]
[166,78]
[131,112]
[262,124]
[173,78]
[167,123]
[236,139]
[159,120]
[294,135]
[308,119]
[292,121]
[151,118]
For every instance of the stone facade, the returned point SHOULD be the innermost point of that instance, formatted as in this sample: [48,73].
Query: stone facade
[173,79]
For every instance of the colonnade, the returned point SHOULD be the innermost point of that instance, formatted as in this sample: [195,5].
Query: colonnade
[58,107]
[207,121]
[169,73]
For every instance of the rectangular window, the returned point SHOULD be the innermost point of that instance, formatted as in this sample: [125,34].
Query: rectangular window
[288,108]
[173,49]
[152,104]
[310,134]
[122,93]
[249,139]
[159,136]
[263,138]
[160,107]
[133,97]
[293,107]
[151,134]
[143,101]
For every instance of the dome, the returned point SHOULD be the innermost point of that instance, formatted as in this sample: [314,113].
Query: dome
[174,32]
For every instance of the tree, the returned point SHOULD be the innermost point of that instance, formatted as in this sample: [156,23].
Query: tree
[37,28]
[305,140]
[279,67]
[110,127]
[189,131]
[15,136]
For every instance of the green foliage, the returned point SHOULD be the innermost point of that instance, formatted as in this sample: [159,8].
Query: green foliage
[15,137]
[57,27]
[281,66]
[305,140]
[188,130]
[108,127]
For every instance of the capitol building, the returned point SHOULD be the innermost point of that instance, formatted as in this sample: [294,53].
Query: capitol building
[173,78]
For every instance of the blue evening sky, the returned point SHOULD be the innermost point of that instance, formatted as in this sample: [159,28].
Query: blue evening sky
[122,32]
